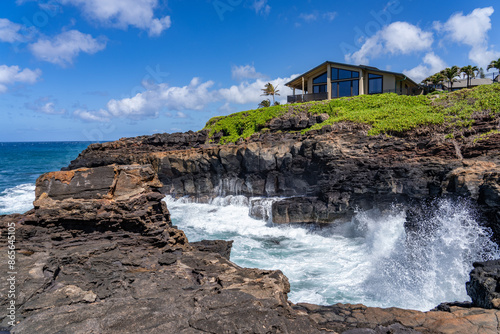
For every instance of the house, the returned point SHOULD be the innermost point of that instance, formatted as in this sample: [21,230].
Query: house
[331,80]
[462,83]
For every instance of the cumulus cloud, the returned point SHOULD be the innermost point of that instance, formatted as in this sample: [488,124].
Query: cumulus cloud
[45,105]
[9,31]
[195,96]
[471,30]
[247,92]
[149,103]
[12,74]
[244,72]
[124,13]
[431,64]
[63,48]
[396,38]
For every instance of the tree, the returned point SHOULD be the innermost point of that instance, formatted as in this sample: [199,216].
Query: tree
[494,64]
[265,103]
[451,73]
[481,73]
[270,90]
[470,72]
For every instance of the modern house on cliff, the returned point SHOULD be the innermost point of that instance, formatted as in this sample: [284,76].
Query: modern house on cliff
[331,80]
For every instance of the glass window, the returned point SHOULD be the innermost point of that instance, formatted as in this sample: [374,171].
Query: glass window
[319,89]
[355,87]
[344,88]
[355,74]
[334,89]
[375,86]
[335,73]
[343,74]
[320,79]
[374,76]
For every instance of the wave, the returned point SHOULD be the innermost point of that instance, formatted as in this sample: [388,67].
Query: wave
[18,199]
[372,259]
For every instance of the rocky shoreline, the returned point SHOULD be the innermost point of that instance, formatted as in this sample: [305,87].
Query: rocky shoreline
[99,254]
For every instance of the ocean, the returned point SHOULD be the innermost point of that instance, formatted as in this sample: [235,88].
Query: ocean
[371,260]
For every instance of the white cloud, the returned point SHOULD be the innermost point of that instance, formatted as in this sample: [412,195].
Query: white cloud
[244,72]
[45,105]
[311,17]
[92,116]
[261,7]
[124,13]
[63,48]
[431,64]
[9,31]
[471,30]
[12,74]
[396,38]
[252,92]
[330,16]
[149,103]
[308,17]
[195,96]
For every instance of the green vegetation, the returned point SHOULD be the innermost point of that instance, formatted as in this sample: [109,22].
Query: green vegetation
[388,114]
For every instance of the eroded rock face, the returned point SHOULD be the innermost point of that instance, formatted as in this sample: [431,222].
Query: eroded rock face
[98,254]
[325,174]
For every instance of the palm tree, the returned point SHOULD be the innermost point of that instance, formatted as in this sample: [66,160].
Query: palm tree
[270,90]
[434,79]
[451,73]
[494,64]
[265,103]
[470,72]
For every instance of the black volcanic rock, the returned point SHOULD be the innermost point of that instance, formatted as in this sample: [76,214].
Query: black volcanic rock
[484,284]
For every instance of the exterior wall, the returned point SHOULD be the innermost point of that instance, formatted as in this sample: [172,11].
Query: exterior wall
[388,83]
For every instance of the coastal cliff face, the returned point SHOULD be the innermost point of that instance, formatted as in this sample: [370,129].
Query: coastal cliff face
[324,175]
[98,254]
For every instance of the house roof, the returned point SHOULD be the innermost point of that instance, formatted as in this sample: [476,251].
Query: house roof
[363,67]
[462,83]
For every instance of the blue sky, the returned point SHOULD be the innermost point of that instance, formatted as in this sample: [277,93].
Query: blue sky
[105,69]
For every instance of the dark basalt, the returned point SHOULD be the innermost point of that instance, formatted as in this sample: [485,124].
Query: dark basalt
[325,174]
[484,284]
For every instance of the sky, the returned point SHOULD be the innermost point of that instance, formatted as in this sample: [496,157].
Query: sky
[98,70]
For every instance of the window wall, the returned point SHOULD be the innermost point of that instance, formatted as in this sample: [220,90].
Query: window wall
[319,83]
[375,84]
[344,82]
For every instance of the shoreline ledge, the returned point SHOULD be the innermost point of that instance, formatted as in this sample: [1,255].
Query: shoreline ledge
[99,254]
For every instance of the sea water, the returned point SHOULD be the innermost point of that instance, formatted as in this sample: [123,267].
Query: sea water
[372,259]
[22,163]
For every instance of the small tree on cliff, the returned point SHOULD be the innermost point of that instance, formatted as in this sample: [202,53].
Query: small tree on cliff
[265,103]
[470,72]
[451,73]
[269,89]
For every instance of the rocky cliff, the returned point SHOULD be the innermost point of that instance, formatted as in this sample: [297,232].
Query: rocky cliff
[98,254]
[323,176]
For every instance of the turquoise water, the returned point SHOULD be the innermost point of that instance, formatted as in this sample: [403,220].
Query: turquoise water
[22,163]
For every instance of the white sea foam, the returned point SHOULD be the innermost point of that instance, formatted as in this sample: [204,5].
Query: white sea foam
[18,199]
[370,260]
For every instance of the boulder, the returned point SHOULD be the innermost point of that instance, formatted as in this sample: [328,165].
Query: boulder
[484,284]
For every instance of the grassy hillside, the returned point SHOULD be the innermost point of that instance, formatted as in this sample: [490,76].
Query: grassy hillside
[389,114]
